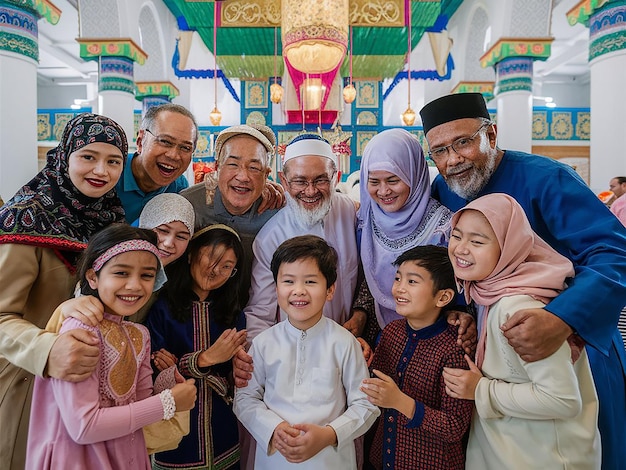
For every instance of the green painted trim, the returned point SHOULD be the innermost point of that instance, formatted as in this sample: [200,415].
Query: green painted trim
[92,49]
[116,84]
[538,49]
[583,11]
[145,90]
[607,43]
[19,45]
[514,84]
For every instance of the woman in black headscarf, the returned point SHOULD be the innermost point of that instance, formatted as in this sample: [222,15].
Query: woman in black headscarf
[43,229]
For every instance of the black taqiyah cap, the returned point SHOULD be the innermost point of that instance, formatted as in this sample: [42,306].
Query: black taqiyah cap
[452,107]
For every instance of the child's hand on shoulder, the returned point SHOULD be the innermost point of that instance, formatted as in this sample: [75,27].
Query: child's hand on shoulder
[300,442]
[462,383]
[86,308]
[384,392]
[184,395]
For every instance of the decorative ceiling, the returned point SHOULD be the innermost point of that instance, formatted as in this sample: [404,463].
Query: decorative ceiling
[247,30]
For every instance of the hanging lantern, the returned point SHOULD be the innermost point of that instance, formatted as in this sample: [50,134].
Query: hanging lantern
[408,117]
[215,117]
[276,93]
[315,40]
[349,93]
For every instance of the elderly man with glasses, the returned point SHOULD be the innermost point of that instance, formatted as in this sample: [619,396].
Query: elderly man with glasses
[568,216]
[234,194]
[313,208]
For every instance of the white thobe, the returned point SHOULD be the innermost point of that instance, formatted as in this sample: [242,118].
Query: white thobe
[310,376]
[337,228]
[540,414]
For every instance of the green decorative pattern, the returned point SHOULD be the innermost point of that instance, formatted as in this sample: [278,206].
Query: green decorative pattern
[514,84]
[116,84]
[146,89]
[538,49]
[485,88]
[607,43]
[19,45]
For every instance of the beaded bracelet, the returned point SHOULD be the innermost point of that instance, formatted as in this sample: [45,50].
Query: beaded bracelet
[169,405]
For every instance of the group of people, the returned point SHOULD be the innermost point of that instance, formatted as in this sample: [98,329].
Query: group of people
[271,315]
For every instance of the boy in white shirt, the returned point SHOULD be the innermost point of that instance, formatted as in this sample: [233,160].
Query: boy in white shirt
[303,404]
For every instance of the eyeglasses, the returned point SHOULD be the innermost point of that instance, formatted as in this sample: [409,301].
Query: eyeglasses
[302,184]
[225,271]
[461,146]
[165,142]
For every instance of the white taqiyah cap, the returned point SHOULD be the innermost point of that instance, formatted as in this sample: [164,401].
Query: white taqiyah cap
[309,144]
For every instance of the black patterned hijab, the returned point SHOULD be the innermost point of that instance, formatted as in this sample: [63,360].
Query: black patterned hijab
[50,211]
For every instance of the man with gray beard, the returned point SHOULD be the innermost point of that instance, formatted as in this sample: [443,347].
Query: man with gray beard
[571,219]
[309,177]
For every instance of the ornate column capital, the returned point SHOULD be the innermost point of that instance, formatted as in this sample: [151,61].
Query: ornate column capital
[485,88]
[42,8]
[92,48]
[18,25]
[505,48]
[150,89]
[607,29]
[583,10]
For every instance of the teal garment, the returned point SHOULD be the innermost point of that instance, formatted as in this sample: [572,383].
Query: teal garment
[133,199]
[571,219]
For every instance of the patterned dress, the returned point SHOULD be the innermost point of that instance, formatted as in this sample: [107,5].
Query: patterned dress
[415,360]
[213,442]
[97,423]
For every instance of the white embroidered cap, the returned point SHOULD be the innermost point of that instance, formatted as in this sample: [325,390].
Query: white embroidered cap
[309,144]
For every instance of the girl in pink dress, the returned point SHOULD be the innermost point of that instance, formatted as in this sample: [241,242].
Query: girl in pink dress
[97,423]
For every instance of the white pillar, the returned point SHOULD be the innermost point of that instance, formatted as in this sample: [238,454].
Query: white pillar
[18,122]
[515,120]
[19,53]
[514,103]
[608,96]
[119,106]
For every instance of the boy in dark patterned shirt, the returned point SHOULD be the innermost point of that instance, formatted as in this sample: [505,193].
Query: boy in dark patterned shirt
[420,427]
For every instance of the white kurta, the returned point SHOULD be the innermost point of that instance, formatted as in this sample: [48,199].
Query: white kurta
[337,228]
[310,376]
[532,414]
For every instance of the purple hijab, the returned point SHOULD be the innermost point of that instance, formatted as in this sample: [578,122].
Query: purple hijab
[386,235]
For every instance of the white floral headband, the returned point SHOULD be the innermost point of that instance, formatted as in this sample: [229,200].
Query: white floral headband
[132,245]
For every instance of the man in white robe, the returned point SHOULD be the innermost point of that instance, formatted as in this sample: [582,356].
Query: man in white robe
[313,208]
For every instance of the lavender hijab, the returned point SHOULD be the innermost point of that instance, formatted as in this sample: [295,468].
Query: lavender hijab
[386,235]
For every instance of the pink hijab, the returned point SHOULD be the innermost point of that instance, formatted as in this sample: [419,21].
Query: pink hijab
[527,264]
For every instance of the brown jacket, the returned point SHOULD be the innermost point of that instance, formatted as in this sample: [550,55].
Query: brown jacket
[33,282]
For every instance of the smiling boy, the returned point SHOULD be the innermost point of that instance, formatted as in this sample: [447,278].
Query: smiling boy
[304,399]
[421,426]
